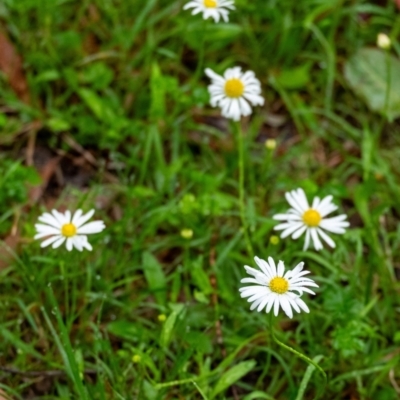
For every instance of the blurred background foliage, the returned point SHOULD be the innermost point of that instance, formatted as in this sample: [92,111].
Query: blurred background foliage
[100,106]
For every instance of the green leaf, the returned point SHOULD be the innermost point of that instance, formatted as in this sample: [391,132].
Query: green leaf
[155,277]
[232,375]
[157,87]
[169,324]
[307,377]
[216,36]
[98,106]
[126,330]
[200,277]
[374,75]
[258,396]
[294,78]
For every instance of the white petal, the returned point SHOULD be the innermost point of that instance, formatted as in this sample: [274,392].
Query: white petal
[301,198]
[287,217]
[307,240]
[49,230]
[69,245]
[77,242]
[272,265]
[49,241]
[50,220]
[314,236]
[81,220]
[263,266]
[91,227]
[293,202]
[299,232]
[281,269]
[276,306]
[270,302]
[302,305]
[59,242]
[287,232]
[78,213]
[286,306]
[59,217]
[326,238]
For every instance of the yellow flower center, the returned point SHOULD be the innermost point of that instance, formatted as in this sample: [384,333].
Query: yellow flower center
[234,87]
[279,285]
[210,3]
[68,230]
[312,217]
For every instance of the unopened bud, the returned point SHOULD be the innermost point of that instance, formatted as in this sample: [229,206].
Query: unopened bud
[136,359]
[187,233]
[270,144]
[162,317]
[274,240]
[383,41]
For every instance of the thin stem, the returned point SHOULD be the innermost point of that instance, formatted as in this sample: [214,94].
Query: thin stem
[239,135]
[200,61]
[297,353]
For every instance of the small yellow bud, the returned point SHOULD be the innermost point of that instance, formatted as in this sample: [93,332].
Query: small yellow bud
[162,317]
[136,359]
[274,240]
[270,144]
[383,41]
[187,233]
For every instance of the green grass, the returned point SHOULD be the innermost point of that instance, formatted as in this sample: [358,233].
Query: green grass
[149,314]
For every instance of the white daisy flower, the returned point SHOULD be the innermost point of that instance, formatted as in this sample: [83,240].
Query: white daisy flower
[311,220]
[234,91]
[276,288]
[211,8]
[61,227]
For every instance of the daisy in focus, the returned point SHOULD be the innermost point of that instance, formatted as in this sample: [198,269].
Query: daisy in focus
[211,8]
[234,91]
[275,288]
[64,227]
[302,218]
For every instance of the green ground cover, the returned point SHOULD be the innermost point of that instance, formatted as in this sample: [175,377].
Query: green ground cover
[104,104]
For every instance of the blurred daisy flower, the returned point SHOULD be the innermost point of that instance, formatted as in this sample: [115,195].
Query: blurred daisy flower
[63,227]
[311,220]
[275,288]
[234,91]
[211,8]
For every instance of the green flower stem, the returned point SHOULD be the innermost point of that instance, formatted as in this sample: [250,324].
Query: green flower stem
[297,353]
[240,142]
[200,62]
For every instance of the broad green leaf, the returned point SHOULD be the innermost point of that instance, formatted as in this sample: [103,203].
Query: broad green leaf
[215,36]
[374,75]
[155,277]
[232,375]
[200,277]
[125,329]
[98,106]
[169,324]
[294,78]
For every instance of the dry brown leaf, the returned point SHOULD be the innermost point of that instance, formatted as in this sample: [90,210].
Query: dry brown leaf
[7,248]
[4,395]
[11,65]
[398,3]
[46,171]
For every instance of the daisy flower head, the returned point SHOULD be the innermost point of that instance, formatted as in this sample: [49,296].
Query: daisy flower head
[233,92]
[301,218]
[211,8]
[273,287]
[65,227]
